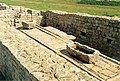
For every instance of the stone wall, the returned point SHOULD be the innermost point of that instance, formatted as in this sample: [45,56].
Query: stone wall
[3,6]
[11,67]
[102,33]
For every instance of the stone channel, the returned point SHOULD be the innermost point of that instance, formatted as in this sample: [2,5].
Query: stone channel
[39,53]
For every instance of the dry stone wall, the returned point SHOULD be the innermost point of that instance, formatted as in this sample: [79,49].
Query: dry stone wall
[3,6]
[11,67]
[102,33]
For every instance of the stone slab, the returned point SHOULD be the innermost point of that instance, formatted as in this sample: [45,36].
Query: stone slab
[29,24]
[116,78]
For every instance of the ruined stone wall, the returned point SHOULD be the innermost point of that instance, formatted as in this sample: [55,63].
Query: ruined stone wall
[102,33]
[3,6]
[11,67]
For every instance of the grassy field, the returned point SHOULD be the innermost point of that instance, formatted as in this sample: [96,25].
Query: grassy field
[66,5]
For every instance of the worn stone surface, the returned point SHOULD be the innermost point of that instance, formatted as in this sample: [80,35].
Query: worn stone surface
[29,60]
[24,59]
[12,68]
[23,16]
[60,46]
[116,78]
[3,6]
[98,32]
[83,52]
[7,16]
[29,24]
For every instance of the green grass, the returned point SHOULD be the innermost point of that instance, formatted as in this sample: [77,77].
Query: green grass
[66,5]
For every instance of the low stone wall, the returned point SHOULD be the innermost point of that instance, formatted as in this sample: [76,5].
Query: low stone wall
[3,6]
[102,33]
[11,67]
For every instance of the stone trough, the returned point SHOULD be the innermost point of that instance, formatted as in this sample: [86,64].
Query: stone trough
[29,24]
[83,52]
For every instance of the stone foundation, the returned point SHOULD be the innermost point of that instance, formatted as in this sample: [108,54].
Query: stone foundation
[11,67]
[3,6]
[102,33]
[29,24]
[40,54]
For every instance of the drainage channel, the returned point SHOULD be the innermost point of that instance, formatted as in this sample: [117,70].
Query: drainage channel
[104,64]
[104,61]
[73,60]
[51,33]
[103,58]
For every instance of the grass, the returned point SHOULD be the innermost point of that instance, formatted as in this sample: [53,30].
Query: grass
[66,5]
[105,3]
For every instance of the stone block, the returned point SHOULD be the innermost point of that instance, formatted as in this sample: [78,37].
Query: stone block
[83,52]
[108,73]
[38,19]
[96,68]
[29,24]
[116,78]
[3,6]
[103,76]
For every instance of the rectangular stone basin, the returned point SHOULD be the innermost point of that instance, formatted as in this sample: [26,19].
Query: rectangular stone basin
[83,52]
[29,24]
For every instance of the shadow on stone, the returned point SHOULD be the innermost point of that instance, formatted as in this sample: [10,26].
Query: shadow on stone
[2,78]
[65,52]
[22,28]
[11,67]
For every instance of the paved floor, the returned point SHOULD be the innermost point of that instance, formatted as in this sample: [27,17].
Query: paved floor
[104,68]
[40,61]
[38,50]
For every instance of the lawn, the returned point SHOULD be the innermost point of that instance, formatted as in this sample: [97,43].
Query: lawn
[66,5]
